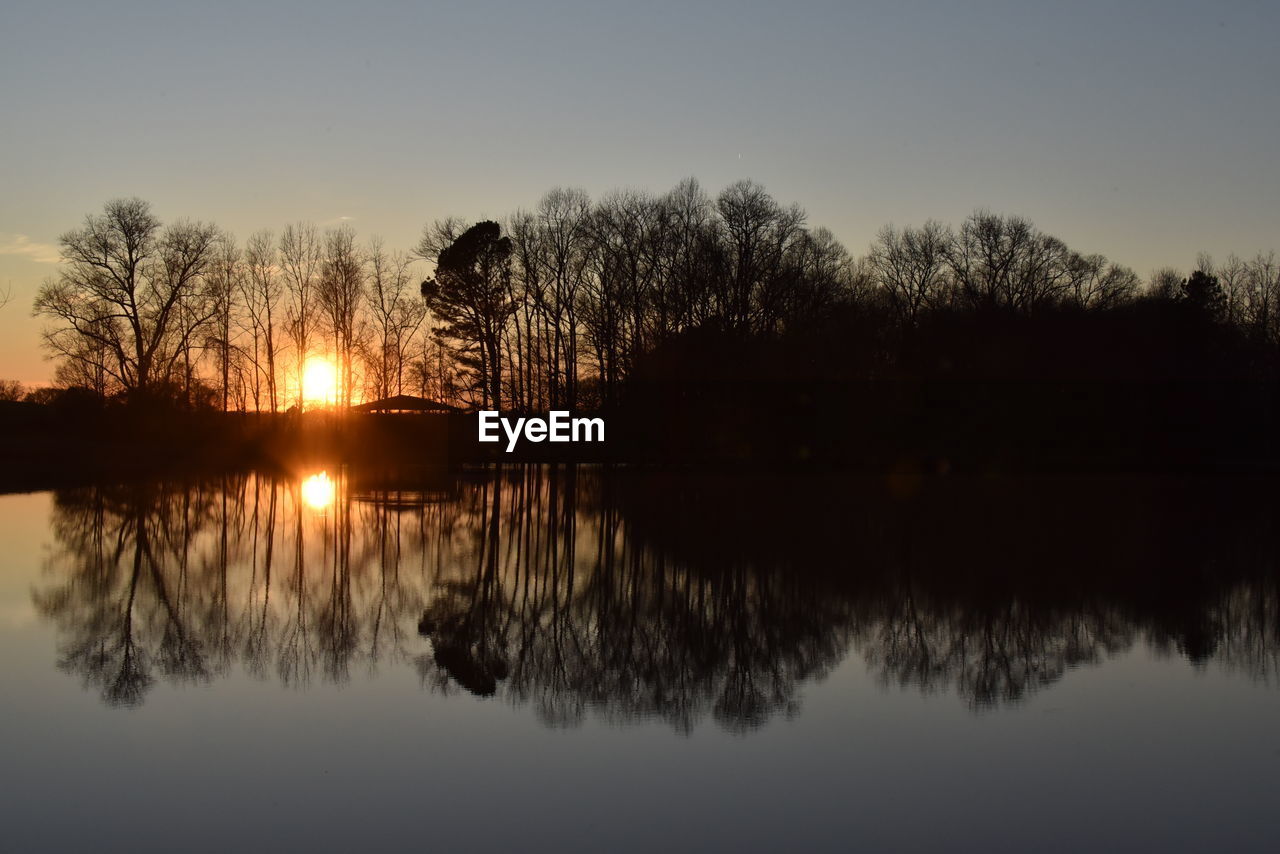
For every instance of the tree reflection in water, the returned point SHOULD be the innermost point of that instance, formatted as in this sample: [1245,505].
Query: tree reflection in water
[641,595]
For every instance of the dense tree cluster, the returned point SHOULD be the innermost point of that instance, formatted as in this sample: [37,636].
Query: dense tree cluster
[562,305]
[556,311]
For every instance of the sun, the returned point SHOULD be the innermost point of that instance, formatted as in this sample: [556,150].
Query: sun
[319,381]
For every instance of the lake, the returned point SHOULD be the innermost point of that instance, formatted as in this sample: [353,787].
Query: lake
[558,658]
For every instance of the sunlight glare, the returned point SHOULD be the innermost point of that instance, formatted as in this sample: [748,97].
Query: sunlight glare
[318,491]
[320,380]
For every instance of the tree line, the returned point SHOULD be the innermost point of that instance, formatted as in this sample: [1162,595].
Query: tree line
[556,306]
[183,313]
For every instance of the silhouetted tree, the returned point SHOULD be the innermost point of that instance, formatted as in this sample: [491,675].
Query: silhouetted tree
[1203,293]
[340,290]
[1261,304]
[226,277]
[135,290]
[300,262]
[471,295]
[760,235]
[396,313]
[581,302]
[910,264]
[261,296]
[1000,262]
[1165,284]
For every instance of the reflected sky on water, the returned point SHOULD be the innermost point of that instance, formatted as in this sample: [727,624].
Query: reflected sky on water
[549,658]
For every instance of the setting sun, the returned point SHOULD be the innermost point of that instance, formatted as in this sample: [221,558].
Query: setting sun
[320,381]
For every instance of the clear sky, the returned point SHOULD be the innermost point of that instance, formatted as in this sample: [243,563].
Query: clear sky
[1143,130]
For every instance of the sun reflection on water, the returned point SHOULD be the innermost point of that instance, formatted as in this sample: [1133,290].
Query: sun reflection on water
[318,491]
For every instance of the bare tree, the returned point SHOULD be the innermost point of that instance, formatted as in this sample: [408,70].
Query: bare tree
[88,366]
[1096,284]
[132,288]
[624,272]
[825,275]
[1165,283]
[563,220]
[759,234]
[435,370]
[300,264]
[341,286]
[1005,262]
[910,264]
[396,312]
[226,282]
[690,260]
[1233,276]
[1261,304]
[261,292]
[524,343]
[438,236]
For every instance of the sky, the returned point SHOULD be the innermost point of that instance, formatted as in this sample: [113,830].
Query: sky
[1147,131]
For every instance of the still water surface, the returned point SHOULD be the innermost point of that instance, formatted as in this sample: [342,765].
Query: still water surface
[558,659]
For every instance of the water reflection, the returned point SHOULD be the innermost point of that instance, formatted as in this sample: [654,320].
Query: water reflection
[318,491]
[642,595]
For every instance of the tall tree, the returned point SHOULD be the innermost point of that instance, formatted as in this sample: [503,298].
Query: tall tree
[470,294]
[396,313]
[910,264]
[1262,296]
[759,234]
[261,285]
[1004,262]
[340,290]
[1093,283]
[132,289]
[1203,293]
[300,263]
[563,217]
[226,275]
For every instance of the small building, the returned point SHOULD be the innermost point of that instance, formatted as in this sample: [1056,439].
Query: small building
[406,403]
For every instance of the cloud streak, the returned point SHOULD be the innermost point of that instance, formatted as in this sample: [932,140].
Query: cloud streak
[23,246]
